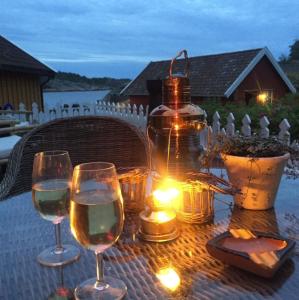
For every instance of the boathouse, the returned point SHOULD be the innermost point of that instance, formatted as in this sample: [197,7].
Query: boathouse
[22,76]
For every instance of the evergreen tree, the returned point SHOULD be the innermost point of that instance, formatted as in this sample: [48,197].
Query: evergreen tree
[294,51]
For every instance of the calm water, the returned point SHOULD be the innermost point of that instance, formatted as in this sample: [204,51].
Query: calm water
[80,97]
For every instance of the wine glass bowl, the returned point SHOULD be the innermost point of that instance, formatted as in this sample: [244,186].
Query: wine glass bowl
[96,219]
[51,199]
[51,184]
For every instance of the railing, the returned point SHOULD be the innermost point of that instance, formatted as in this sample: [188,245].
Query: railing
[132,114]
[21,114]
[138,117]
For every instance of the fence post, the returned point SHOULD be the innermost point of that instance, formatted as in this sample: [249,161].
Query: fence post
[35,114]
[41,117]
[58,111]
[246,129]
[264,131]
[46,115]
[284,134]
[129,109]
[141,111]
[118,110]
[22,116]
[216,125]
[113,109]
[230,126]
[209,138]
[223,132]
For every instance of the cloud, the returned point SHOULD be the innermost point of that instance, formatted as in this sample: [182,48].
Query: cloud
[102,58]
[75,32]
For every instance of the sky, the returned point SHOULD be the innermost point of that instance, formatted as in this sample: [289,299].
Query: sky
[118,38]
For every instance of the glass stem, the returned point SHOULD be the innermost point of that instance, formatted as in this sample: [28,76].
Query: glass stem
[59,248]
[100,285]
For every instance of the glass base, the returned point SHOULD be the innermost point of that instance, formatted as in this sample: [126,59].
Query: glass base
[112,288]
[52,258]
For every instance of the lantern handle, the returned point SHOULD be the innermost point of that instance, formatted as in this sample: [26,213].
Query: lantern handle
[186,62]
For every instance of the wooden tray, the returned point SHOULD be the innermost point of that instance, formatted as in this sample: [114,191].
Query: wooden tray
[242,260]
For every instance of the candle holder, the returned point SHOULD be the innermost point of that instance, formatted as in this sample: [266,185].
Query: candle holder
[158,220]
[133,187]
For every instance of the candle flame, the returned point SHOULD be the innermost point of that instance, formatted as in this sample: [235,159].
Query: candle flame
[163,216]
[165,197]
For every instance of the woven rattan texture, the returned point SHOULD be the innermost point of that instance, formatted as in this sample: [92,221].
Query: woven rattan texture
[23,234]
[86,138]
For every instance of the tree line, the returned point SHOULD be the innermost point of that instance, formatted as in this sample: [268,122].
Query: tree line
[293,55]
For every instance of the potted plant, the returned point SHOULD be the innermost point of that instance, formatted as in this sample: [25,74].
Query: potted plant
[254,166]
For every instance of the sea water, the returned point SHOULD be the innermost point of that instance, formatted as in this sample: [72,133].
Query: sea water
[76,97]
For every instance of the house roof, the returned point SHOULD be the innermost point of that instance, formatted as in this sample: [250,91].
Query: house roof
[210,75]
[13,58]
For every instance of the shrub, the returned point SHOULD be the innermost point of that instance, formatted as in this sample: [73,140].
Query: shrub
[286,107]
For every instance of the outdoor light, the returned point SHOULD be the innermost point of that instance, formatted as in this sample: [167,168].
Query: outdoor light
[158,220]
[262,97]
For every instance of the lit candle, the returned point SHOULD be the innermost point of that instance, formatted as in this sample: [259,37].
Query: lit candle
[158,222]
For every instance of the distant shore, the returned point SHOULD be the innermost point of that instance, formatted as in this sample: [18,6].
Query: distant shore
[71,82]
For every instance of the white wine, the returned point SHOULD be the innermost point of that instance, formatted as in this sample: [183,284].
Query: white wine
[96,218]
[51,199]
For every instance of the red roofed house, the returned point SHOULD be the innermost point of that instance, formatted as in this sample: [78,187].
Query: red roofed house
[236,76]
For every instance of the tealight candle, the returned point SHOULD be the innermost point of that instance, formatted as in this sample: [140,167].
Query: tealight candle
[158,221]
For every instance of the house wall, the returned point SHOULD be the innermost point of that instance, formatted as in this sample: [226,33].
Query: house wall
[138,100]
[19,87]
[262,77]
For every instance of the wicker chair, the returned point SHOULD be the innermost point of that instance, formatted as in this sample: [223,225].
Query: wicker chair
[88,138]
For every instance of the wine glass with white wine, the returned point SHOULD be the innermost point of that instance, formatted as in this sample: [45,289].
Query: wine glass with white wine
[51,183]
[97,218]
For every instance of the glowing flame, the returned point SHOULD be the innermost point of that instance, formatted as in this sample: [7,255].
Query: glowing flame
[166,195]
[169,278]
[163,216]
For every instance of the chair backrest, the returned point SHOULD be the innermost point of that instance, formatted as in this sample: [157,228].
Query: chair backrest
[87,138]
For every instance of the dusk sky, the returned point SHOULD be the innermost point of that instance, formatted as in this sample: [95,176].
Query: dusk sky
[119,38]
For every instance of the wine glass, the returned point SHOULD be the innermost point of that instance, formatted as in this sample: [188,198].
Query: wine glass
[97,218]
[51,181]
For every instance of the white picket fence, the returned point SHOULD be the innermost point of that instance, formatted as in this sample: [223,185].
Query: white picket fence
[132,114]
[211,132]
[138,117]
